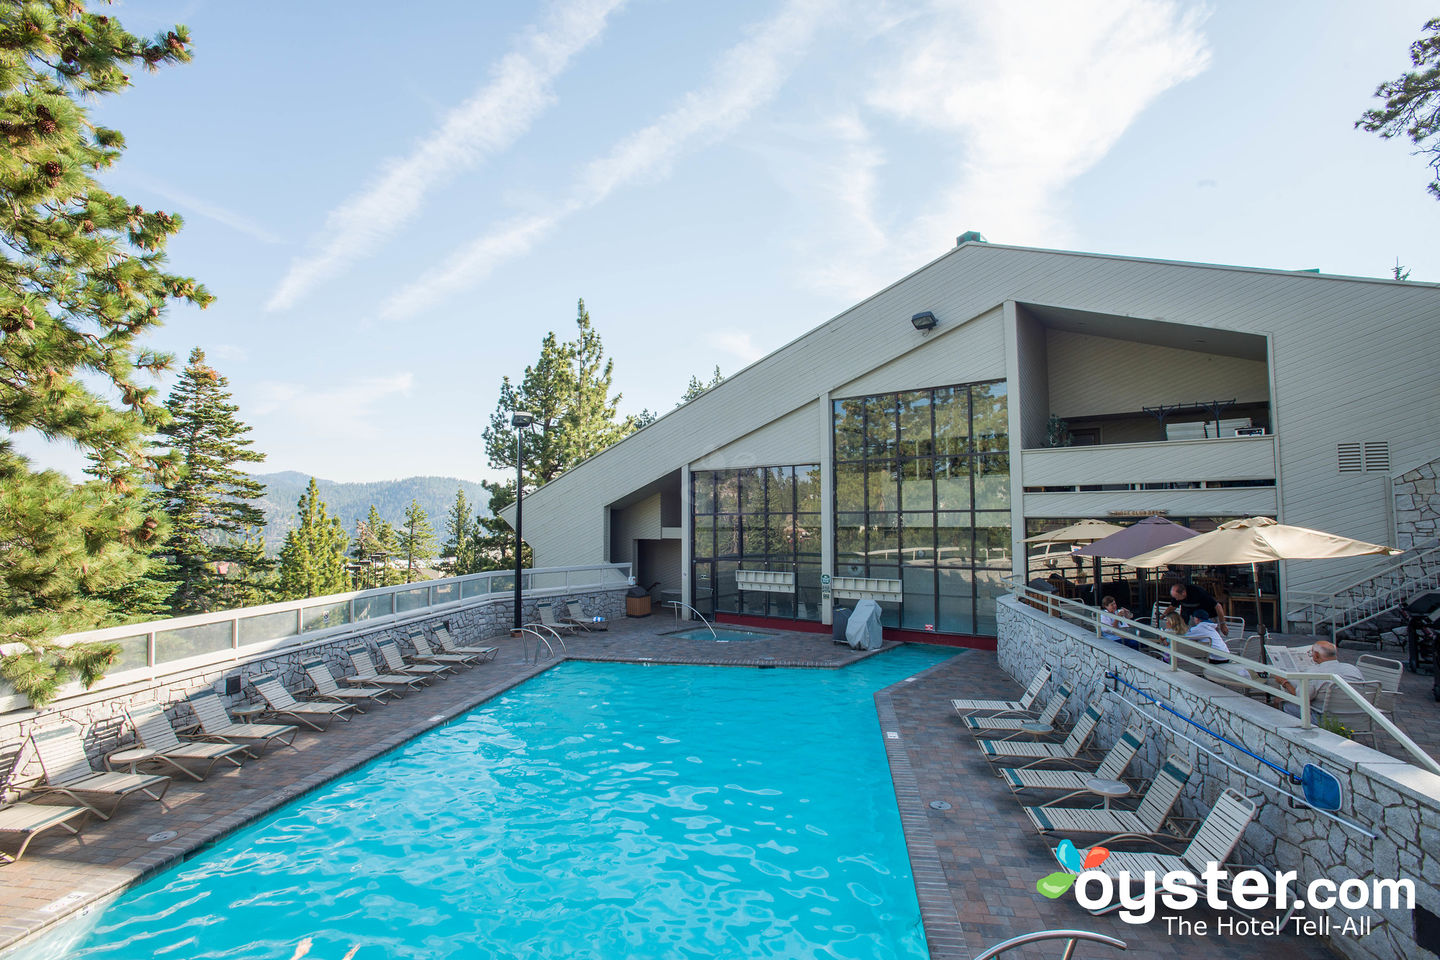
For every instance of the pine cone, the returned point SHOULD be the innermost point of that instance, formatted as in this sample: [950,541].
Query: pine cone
[88,226]
[52,169]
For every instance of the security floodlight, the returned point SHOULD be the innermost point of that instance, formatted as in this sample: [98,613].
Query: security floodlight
[924,322]
[521,419]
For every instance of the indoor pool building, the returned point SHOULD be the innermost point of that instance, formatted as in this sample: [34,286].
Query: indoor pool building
[905,449]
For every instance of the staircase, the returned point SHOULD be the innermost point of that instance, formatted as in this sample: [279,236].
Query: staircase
[1370,606]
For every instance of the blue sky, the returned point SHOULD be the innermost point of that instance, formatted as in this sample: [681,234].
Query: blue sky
[393,208]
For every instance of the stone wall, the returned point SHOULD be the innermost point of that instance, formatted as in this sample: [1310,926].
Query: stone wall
[1417,506]
[102,714]
[1397,801]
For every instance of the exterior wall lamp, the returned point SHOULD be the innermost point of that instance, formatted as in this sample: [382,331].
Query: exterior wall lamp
[924,322]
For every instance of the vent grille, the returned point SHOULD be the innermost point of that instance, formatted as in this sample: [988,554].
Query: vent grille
[1369,456]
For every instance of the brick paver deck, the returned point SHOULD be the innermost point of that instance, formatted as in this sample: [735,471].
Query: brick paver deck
[975,864]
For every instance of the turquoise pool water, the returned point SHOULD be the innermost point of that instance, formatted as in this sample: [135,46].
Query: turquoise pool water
[721,635]
[598,811]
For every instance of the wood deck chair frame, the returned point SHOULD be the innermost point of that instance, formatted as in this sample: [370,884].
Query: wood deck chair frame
[29,821]
[195,759]
[279,702]
[213,723]
[447,643]
[324,687]
[1034,776]
[1000,707]
[367,675]
[1075,744]
[1150,821]
[982,725]
[424,653]
[68,774]
[396,662]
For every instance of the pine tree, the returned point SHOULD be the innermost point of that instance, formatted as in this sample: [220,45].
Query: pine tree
[492,539]
[312,561]
[458,544]
[1412,103]
[83,284]
[698,387]
[209,502]
[417,540]
[375,543]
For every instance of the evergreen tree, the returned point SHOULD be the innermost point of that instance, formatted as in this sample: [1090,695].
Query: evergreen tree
[1412,102]
[247,574]
[459,547]
[375,542]
[417,540]
[492,539]
[698,387]
[312,562]
[83,284]
[209,501]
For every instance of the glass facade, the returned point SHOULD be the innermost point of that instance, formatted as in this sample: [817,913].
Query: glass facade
[922,495]
[756,518]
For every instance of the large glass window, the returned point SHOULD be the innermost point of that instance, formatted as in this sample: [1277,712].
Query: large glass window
[922,495]
[758,518]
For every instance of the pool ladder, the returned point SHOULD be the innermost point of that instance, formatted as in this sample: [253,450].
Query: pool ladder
[534,630]
[1071,938]
[679,606]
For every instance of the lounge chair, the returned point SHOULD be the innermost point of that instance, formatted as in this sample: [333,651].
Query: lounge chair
[68,774]
[29,820]
[325,688]
[1213,842]
[966,707]
[1073,746]
[575,614]
[315,714]
[395,662]
[448,644]
[548,618]
[213,723]
[157,738]
[1112,767]
[1151,820]
[1387,673]
[980,725]
[366,675]
[424,653]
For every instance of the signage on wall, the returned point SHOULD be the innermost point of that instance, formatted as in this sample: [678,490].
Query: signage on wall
[1138,513]
[824,587]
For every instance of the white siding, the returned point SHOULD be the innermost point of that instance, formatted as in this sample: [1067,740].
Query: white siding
[1033,390]
[639,521]
[955,352]
[1173,461]
[1230,502]
[791,439]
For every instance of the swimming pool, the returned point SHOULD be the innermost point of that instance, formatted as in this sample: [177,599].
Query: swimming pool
[721,634]
[598,811]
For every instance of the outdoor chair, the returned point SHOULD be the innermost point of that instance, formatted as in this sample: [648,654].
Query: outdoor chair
[548,618]
[575,614]
[315,714]
[981,725]
[448,644]
[1335,706]
[1214,841]
[157,739]
[1387,673]
[324,687]
[366,674]
[967,707]
[29,820]
[1150,821]
[1235,630]
[213,723]
[68,774]
[1111,767]
[395,662]
[1073,746]
[425,654]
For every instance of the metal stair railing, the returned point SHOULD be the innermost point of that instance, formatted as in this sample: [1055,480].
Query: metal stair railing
[533,629]
[678,606]
[1361,600]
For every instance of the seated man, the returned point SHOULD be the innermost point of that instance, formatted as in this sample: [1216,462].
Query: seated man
[1324,659]
[1187,598]
[1203,630]
[1110,626]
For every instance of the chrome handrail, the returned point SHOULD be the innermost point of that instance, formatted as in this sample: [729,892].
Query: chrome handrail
[553,632]
[678,605]
[1071,937]
[540,638]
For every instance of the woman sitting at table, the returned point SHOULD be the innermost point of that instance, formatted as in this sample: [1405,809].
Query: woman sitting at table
[1203,630]
[1110,626]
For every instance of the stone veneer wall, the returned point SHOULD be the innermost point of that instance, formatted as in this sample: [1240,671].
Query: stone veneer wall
[1417,507]
[102,714]
[1396,800]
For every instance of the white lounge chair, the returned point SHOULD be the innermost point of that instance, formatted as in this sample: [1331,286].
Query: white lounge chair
[448,644]
[425,654]
[195,759]
[324,686]
[966,707]
[314,714]
[981,725]
[395,662]
[548,618]
[68,773]
[213,723]
[575,613]
[1073,746]
[29,820]
[366,675]
[1151,820]
[1111,767]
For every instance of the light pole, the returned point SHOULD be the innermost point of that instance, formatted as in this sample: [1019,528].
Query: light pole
[519,420]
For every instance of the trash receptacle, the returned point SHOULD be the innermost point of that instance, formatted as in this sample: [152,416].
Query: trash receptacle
[841,619]
[637,602]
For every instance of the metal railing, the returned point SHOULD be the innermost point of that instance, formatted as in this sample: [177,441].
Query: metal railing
[535,630]
[678,606]
[1071,938]
[1359,600]
[151,649]
[1181,651]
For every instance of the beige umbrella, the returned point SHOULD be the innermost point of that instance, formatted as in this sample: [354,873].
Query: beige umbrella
[1081,531]
[1258,540]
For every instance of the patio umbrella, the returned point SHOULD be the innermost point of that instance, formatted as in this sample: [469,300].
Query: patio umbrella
[1258,540]
[1132,541]
[1081,531]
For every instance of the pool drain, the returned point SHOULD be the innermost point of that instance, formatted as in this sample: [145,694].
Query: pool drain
[939,805]
[162,836]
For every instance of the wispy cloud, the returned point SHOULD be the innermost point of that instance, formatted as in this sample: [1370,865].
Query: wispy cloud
[747,76]
[1021,99]
[519,89]
[344,411]
[187,203]
[738,343]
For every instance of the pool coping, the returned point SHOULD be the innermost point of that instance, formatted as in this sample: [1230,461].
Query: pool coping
[32,928]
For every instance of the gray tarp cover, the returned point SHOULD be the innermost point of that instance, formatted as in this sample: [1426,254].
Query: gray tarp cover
[863,630]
